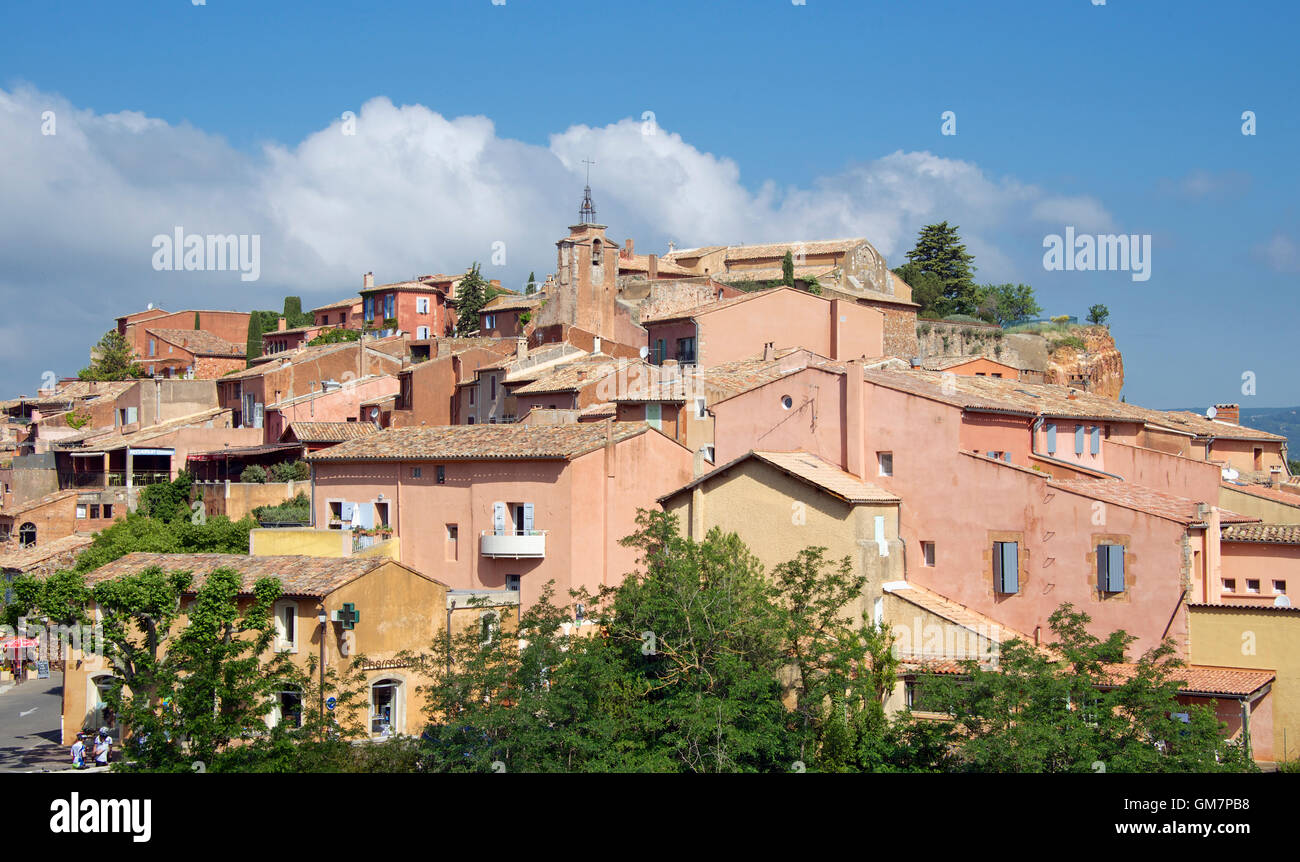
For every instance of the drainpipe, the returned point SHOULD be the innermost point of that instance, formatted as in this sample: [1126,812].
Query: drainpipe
[1033,448]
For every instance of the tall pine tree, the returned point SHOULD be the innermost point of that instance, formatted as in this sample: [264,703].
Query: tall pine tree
[939,251]
[531,288]
[471,296]
[254,346]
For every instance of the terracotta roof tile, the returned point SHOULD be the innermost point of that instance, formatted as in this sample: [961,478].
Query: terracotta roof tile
[22,559]
[771,273]
[299,576]
[1143,499]
[807,468]
[331,432]
[200,342]
[507,302]
[343,303]
[716,305]
[479,442]
[1273,534]
[777,249]
[28,505]
[1277,495]
[1203,679]
[571,375]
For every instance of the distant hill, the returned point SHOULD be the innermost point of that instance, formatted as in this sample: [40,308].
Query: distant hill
[1275,420]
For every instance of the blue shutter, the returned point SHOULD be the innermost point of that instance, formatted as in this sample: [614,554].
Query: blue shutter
[528,518]
[499,518]
[345,511]
[1006,566]
[1051,439]
[1078,439]
[1006,456]
[1117,568]
[1096,440]
[366,515]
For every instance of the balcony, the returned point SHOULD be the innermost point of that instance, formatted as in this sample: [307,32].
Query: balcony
[110,479]
[513,544]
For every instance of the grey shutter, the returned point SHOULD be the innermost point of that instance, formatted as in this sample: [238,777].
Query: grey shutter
[1006,456]
[345,510]
[528,519]
[366,515]
[1103,568]
[1078,439]
[1006,565]
[499,518]
[1115,568]
[1096,440]
[1051,439]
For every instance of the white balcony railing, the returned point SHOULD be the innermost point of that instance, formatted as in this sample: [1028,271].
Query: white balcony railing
[515,544]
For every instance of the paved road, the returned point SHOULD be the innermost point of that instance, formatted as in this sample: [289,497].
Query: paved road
[29,726]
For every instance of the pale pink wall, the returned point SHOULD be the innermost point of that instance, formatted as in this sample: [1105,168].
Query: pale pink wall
[584,511]
[1185,477]
[1265,562]
[787,318]
[338,405]
[1228,711]
[1065,443]
[994,432]
[756,419]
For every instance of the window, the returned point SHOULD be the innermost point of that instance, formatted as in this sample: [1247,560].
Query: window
[1110,568]
[661,351]
[1252,585]
[654,415]
[686,351]
[417,472]
[1006,567]
[493,379]
[1096,441]
[490,322]
[471,396]
[927,553]
[453,542]
[286,626]
[512,582]
[885,460]
[153,347]
[708,453]
[422,305]
[1279,587]
[471,421]
[389,302]
[81,512]
[422,332]
[94,510]
[108,510]
[369,312]
[1229,585]
[288,708]
[1051,439]
[701,408]
[27,535]
[381,514]
[489,624]
[786,402]
[385,704]
[441,472]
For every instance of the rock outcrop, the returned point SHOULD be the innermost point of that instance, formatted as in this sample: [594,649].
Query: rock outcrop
[1098,367]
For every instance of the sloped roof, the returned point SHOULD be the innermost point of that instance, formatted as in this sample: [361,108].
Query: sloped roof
[715,305]
[299,576]
[777,249]
[479,442]
[955,612]
[22,559]
[772,273]
[331,432]
[343,303]
[1142,499]
[200,342]
[807,468]
[108,440]
[1272,534]
[1277,495]
[571,375]
[35,503]
[1202,679]
[508,302]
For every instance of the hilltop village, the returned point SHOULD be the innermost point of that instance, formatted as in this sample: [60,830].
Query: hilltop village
[411,470]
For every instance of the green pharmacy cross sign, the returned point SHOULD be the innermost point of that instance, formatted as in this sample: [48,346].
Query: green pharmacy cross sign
[349,616]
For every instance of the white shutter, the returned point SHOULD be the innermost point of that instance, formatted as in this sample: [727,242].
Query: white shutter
[528,519]
[499,518]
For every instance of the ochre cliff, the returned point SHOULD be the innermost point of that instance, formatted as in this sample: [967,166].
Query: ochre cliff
[1099,365]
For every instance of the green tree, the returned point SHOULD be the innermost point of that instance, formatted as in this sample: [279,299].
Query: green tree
[335,336]
[940,251]
[113,358]
[254,346]
[787,269]
[167,501]
[294,315]
[531,287]
[1062,710]
[1098,315]
[1006,304]
[471,296]
[927,289]
[196,321]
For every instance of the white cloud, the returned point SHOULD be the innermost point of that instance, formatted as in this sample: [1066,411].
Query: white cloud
[413,192]
[1280,253]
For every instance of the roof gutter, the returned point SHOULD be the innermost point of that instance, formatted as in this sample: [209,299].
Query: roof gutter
[1033,438]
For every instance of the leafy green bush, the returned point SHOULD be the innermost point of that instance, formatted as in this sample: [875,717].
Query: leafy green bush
[335,336]
[295,511]
[290,471]
[167,501]
[253,473]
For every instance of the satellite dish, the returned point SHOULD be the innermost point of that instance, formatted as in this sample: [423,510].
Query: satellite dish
[149,307]
[374,412]
[1210,412]
[1230,473]
[1282,602]
[644,351]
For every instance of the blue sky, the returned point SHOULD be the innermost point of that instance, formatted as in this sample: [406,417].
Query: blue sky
[774,121]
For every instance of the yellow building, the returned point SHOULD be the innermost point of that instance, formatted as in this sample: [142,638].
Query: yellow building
[398,610]
[1265,637]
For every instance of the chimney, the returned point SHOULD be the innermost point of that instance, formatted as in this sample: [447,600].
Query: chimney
[521,348]
[855,444]
[367,281]
[653,271]
[916,362]
[609,447]
[769,351]
[1230,413]
[627,249]
[281,325]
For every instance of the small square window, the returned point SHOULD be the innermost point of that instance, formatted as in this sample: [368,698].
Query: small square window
[1229,585]
[417,472]
[81,512]
[927,553]
[512,582]
[108,510]
[1279,587]
[1252,586]
[94,510]
[886,463]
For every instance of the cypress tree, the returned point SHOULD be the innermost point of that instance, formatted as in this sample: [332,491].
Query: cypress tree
[254,336]
[787,269]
